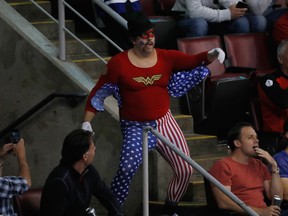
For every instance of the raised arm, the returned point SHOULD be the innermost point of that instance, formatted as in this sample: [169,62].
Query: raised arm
[20,153]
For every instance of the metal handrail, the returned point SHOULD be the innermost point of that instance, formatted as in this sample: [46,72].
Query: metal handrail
[62,29]
[45,101]
[196,166]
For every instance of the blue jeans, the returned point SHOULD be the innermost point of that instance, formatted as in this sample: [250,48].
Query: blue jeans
[257,23]
[197,27]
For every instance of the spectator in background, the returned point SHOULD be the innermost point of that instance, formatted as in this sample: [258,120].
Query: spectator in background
[11,186]
[282,160]
[246,176]
[70,186]
[203,17]
[117,33]
[273,93]
[141,75]
[280,29]
[278,24]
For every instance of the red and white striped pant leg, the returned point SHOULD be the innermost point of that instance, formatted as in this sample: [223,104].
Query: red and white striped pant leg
[169,128]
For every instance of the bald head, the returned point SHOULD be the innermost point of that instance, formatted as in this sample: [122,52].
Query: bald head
[282,56]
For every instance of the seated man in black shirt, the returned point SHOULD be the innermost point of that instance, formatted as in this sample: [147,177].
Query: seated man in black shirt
[70,186]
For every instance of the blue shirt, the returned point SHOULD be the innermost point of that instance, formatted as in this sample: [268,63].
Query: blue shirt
[282,161]
[9,187]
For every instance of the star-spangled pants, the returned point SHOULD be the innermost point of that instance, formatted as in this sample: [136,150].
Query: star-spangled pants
[131,156]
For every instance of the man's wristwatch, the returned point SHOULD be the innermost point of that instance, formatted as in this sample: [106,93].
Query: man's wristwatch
[277,171]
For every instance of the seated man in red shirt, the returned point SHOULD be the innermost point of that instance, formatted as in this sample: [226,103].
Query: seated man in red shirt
[245,175]
[273,93]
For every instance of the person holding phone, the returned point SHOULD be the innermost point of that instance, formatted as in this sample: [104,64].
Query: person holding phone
[11,186]
[217,17]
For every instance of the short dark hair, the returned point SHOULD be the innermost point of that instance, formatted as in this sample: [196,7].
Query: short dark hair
[75,145]
[234,133]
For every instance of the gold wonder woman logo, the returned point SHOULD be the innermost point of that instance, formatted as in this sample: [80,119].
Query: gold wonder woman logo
[148,80]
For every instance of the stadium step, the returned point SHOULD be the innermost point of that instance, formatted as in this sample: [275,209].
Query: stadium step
[75,51]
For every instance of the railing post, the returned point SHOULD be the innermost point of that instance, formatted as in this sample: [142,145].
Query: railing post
[145,172]
[61,17]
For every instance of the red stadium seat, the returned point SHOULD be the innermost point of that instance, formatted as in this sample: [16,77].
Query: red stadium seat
[250,50]
[149,7]
[28,203]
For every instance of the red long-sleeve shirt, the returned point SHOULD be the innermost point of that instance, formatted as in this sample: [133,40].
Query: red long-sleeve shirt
[144,91]
[273,93]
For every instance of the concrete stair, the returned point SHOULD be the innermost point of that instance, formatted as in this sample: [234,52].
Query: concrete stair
[204,148]
[76,52]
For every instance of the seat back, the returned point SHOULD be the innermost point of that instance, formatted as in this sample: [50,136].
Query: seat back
[226,103]
[250,50]
[281,3]
[165,6]
[28,203]
[256,117]
[148,7]
[196,45]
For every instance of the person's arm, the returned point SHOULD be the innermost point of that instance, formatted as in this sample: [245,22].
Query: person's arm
[196,9]
[3,153]
[275,184]
[24,170]
[88,117]
[223,201]
[90,111]
[283,167]
[272,187]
